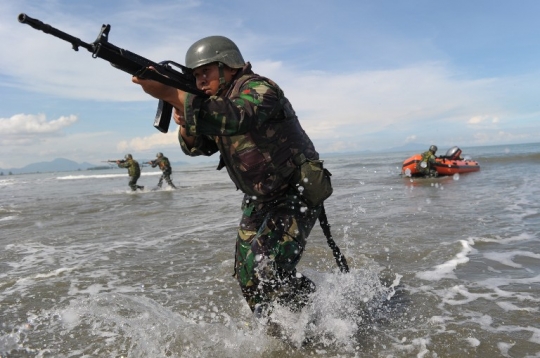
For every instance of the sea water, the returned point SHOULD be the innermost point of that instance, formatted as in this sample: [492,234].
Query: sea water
[443,267]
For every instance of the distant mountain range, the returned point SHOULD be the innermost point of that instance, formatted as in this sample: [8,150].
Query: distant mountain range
[58,165]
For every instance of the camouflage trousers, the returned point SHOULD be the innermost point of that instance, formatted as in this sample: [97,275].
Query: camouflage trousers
[270,242]
[133,183]
[429,171]
[167,177]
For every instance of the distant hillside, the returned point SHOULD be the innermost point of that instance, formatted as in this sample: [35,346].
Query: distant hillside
[57,165]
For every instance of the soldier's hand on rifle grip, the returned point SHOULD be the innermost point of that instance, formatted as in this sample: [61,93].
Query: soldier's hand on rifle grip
[178,116]
[174,96]
[149,86]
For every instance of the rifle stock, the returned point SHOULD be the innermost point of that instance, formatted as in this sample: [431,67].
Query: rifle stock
[129,62]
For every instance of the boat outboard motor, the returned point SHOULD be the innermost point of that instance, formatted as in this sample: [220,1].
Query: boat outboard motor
[453,153]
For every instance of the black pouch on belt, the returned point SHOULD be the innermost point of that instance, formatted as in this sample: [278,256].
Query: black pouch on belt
[312,180]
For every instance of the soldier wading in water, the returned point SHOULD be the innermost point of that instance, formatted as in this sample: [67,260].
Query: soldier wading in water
[426,165]
[165,166]
[134,171]
[251,123]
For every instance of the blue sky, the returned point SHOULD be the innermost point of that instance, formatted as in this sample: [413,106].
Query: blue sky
[361,75]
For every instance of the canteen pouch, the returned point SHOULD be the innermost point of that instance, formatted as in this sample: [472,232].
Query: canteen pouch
[311,180]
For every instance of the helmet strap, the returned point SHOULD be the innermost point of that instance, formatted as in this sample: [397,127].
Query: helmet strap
[221,74]
[222,83]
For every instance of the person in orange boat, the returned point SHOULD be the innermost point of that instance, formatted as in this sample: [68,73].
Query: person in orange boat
[426,166]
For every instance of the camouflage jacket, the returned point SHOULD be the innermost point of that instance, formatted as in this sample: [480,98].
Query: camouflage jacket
[132,166]
[429,158]
[163,164]
[256,131]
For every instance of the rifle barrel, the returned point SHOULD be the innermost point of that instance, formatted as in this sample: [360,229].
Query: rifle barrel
[48,29]
[167,72]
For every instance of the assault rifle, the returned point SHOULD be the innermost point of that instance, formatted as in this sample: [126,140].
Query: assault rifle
[122,161]
[131,63]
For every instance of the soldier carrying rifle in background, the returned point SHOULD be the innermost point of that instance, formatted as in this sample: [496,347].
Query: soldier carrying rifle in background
[134,170]
[165,166]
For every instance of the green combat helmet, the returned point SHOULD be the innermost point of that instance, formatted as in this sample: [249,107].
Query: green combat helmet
[159,155]
[128,156]
[214,49]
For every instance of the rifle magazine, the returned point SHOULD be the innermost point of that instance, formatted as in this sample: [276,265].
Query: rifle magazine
[163,116]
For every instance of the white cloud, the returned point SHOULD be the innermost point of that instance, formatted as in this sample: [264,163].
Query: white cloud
[333,104]
[483,119]
[410,139]
[500,137]
[156,140]
[22,129]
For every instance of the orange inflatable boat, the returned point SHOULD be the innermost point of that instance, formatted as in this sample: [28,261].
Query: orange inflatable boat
[449,164]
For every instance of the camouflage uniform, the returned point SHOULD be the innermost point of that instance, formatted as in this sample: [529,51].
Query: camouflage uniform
[429,158]
[165,166]
[257,133]
[134,172]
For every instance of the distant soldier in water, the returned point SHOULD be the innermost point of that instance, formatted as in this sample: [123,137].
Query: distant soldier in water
[427,165]
[134,171]
[165,166]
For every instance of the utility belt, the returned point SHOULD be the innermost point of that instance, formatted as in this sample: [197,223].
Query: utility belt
[311,180]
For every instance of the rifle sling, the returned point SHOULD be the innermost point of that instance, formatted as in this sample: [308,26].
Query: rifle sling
[340,259]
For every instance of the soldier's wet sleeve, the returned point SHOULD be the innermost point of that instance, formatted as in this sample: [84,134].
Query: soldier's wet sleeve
[204,145]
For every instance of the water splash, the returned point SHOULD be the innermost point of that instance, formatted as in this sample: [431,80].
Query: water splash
[344,309]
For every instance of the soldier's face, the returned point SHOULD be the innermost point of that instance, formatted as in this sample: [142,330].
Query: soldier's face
[207,77]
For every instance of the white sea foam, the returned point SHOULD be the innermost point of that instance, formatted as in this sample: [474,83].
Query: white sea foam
[7,182]
[439,319]
[460,295]
[504,347]
[508,306]
[8,218]
[418,345]
[52,273]
[97,176]
[507,257]
[522,236]
[103,176]
[446,269]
